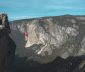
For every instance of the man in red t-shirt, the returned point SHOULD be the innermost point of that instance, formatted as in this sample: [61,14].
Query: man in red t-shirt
[26,35]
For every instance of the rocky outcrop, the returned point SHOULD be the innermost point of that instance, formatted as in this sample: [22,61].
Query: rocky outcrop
[7,45]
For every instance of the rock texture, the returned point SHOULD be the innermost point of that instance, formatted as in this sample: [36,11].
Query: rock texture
[7,45]
[49,38]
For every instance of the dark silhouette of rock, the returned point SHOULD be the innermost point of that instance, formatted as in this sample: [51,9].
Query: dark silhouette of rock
[7,45]
[71,64]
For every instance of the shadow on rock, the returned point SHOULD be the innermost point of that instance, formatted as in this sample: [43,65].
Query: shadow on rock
[71,64]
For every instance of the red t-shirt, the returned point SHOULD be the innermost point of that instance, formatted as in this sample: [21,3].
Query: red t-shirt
[25,34]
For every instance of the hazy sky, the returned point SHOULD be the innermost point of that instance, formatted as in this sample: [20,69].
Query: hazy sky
[19,9]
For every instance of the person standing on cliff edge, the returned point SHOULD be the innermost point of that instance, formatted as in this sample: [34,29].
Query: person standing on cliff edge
[7,45]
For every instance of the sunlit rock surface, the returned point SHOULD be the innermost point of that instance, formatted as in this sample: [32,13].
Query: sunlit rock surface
[49,37]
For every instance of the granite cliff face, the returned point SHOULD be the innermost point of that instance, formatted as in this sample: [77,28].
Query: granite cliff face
[52,36]
[49,38]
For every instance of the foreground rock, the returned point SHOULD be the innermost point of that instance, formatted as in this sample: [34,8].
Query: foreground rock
[49,38]
[7,45]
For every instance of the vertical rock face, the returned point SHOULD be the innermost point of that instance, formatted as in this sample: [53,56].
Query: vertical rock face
[52,36]
[7,45]
[58,43]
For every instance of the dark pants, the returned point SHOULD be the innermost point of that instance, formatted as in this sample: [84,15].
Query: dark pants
[7,52]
